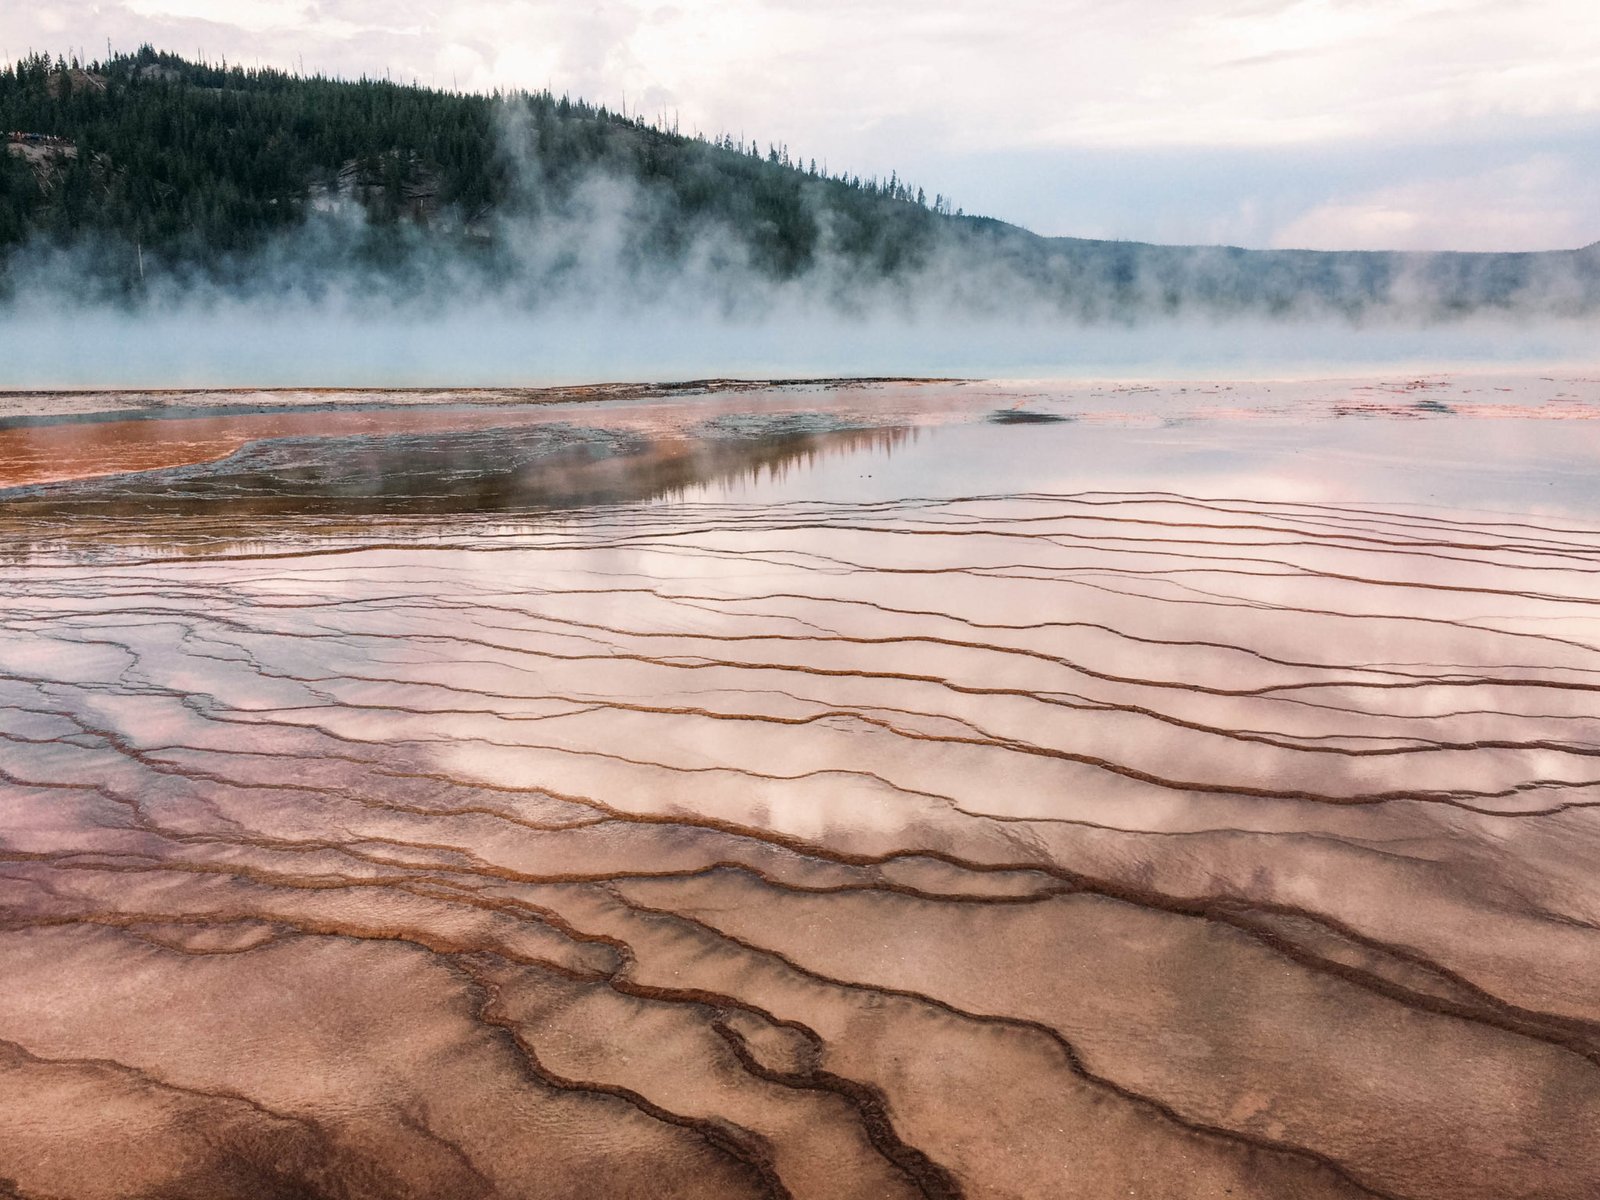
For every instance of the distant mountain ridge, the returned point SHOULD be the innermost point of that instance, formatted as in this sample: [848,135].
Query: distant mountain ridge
[173,168]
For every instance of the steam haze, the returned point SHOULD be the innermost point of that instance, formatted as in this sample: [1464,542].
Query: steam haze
[577,288]
[592,274]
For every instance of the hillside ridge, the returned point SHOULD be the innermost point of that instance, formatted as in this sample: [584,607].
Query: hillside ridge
[175,168]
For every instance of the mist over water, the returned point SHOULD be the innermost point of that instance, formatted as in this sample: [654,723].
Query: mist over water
[595,277]
[244,343]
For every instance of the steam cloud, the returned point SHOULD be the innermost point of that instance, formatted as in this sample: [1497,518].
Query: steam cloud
[592,281]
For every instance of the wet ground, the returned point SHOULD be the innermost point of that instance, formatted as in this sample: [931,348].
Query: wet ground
[823,791]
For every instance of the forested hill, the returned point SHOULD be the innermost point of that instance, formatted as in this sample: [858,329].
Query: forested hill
[160,167]
[198,160]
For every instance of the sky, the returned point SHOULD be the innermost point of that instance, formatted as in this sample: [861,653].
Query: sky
[1325,124]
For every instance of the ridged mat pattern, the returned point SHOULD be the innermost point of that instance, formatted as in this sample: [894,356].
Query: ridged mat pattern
[1088,845]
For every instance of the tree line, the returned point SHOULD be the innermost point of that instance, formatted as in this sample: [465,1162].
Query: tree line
[196,164]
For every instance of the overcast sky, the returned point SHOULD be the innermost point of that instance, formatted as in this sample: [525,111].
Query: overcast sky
[1417,124]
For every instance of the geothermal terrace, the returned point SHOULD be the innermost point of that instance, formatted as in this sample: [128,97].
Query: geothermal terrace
[855,789]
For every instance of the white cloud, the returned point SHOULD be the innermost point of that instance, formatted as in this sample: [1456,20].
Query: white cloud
[1544,202]
[1012,72]
[250,16]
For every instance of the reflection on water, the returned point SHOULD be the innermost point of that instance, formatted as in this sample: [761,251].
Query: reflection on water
[833,803]
[479,472]
[329,488]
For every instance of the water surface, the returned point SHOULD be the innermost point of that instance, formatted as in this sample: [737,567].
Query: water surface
[814,792]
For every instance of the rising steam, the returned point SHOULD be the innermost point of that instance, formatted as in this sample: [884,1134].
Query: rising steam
[595,278]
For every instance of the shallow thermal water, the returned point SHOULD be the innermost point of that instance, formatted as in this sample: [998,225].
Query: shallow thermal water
[862,792]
